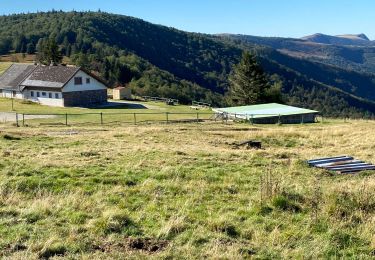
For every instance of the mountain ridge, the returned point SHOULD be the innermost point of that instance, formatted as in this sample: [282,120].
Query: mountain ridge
[159,60]
[345,39]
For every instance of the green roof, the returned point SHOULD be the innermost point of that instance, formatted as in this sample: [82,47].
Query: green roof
[265,110]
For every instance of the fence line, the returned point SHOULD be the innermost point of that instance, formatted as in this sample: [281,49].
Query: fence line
[161,99]
[106,118]
[100,118]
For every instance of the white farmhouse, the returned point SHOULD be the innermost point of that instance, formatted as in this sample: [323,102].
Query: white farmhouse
[62,86]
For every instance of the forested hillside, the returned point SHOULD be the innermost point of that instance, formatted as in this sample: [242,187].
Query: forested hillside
[349,57]
[162,61]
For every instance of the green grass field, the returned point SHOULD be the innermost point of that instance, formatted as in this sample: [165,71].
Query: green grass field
[184,191]
[4,66]
[21,106]
[150,112]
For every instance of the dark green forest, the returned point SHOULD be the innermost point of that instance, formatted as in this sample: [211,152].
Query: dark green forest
[161,61]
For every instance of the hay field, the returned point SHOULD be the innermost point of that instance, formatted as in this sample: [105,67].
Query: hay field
[184,191]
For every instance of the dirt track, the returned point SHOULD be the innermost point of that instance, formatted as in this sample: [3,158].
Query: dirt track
[11,117]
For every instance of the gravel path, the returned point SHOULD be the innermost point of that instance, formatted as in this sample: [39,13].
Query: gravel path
[11,117]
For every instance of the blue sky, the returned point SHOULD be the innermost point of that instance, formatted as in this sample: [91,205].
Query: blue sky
[288,18]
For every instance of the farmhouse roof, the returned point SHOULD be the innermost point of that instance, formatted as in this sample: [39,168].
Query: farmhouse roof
[60,74]
[55,76]
[14,75]
[119,88]
[50,76]
[19,76]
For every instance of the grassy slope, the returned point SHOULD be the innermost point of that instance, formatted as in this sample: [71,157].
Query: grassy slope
[4,66]
[151,111]
[185,190]
[29,107]
[17,57]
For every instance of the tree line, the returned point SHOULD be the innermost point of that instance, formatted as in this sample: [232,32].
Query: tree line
[157,60]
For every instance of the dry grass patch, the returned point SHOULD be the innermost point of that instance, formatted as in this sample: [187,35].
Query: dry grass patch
[168,191]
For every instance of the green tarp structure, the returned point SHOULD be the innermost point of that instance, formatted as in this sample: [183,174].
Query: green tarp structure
[288,114]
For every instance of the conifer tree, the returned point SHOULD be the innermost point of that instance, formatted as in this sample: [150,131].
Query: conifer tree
[248,83]
[48,52]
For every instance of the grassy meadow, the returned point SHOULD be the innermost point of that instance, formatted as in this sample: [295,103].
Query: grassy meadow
[4,66]
[184,191]
[23,58]
[127,113]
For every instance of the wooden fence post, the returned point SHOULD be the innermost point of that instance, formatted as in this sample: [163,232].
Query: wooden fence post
[197,117]
[66,118]
[167,116]
[17,120]
[23,119]
[101,118]
[135,118]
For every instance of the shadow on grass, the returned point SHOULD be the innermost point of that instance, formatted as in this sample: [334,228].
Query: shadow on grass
[120,105]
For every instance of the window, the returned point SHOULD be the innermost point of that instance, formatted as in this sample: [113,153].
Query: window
[78,81]
[57,95]
[44,94]
[32,93]
[50,95]
[38,94]
[87,80]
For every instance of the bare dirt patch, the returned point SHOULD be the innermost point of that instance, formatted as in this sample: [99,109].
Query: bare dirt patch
[147,245]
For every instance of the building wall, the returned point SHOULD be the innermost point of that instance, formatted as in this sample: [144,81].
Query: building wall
[283,119]
[45,99]
[289,119]
[85,98]
[87,94]
[10,94]
[93,85]
[124,93]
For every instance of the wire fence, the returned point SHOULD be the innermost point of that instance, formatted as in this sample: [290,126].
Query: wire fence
[99,118]
[69,119]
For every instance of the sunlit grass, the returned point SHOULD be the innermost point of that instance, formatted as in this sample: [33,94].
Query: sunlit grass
[4,66]
[184,191]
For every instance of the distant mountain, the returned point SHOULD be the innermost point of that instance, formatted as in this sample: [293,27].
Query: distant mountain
[348,39]
[348,57]
[360,36]
[162,61]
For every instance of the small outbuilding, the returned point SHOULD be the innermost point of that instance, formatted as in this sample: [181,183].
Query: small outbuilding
[272,113]
[120,93]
